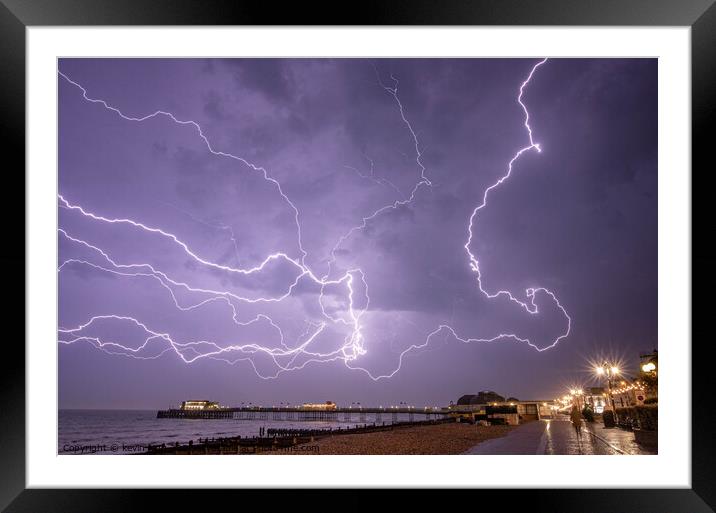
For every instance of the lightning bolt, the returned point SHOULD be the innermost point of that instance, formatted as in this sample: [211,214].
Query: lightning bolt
[530,293]
[379,180]
[284,356]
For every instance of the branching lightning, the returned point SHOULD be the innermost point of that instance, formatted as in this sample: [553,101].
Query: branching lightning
[285,356]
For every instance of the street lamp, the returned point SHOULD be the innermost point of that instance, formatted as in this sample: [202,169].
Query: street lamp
[609,371]
[649,367]
[649,371]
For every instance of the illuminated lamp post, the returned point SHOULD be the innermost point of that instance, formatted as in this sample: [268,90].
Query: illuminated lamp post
[577,392]
[609,372]
[649,376]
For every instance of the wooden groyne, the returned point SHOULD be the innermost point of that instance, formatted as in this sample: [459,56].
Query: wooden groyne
[277,440]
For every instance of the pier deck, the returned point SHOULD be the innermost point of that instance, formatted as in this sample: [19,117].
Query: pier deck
[299,413]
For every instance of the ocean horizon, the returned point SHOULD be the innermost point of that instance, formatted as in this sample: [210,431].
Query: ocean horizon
[120,431]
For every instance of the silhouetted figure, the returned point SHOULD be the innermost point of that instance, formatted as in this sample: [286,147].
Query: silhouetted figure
[576,417]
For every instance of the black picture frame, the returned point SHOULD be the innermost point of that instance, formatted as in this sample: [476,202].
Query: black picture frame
[16,15]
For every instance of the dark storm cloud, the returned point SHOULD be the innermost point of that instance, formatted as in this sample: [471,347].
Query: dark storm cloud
[214,106]
[270,77]
[578,218]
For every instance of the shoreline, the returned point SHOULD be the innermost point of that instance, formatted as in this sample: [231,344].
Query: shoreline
[276,439]
[443,437]
[436,439]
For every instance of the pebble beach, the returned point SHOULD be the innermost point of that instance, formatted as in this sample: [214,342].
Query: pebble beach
[452,438]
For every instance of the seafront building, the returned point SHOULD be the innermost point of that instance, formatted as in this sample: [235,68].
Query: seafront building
[199,405]
[327,406]
[488,405]
[596,397]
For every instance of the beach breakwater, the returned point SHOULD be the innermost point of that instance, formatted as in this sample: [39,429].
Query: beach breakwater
[276,440]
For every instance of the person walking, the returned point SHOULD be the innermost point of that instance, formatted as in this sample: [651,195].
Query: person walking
[576,417]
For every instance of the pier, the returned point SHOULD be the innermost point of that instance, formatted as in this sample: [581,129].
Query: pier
[298,413]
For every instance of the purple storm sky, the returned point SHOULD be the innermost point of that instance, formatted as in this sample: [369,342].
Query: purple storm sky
[159,228]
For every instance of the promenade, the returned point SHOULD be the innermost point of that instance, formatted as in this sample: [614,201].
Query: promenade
[559,437]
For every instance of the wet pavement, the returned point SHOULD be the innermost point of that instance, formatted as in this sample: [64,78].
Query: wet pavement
[558,436]
[619,439]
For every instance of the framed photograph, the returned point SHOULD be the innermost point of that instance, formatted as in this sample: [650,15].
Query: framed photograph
[419,246]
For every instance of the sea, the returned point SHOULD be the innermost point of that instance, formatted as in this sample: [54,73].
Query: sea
[131,431]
